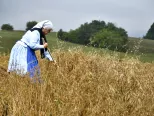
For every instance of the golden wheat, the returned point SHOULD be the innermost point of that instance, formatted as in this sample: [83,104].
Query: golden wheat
[80,84]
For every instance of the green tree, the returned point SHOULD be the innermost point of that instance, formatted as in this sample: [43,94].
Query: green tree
[85,31]
[150,33]
[72,36]
[30,25]
[98,34]
[111,39]
[62,35]
[7,27]
[111,26]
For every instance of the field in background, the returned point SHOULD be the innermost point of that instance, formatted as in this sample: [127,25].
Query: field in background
[143,45]
[143,49]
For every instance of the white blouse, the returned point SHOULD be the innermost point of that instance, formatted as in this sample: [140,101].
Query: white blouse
[32,39]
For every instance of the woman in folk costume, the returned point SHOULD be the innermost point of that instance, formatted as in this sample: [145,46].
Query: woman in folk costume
[22,58]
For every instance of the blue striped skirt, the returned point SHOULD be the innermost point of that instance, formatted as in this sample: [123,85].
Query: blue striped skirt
[23,61]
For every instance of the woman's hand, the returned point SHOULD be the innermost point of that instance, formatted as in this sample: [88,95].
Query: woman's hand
[45,45]
[53,62]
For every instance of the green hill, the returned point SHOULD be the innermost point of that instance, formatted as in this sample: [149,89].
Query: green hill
[142,47]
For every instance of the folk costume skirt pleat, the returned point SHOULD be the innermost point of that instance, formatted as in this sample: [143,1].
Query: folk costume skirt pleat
[23,60]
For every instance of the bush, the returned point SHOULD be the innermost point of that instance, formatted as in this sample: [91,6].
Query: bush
[30,25]
[111,39]
[82,34]
[62,35]
[7,27]
[150,33]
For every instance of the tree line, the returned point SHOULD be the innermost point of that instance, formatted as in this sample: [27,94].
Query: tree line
[98,34]
[101,34]
[9,27]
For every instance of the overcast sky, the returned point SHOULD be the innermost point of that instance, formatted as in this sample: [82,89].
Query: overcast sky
[135,16]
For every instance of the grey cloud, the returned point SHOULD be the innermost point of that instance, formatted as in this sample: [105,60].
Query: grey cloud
[135,16]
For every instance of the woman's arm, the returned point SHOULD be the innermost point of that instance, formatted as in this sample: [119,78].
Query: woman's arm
[34,40]
[48,56]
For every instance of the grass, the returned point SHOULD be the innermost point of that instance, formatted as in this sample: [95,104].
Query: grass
[9,38]
[143,49]
[80,84]
[85,81]
[143,45]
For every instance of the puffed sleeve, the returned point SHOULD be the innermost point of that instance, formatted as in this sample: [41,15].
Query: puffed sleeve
[34,40]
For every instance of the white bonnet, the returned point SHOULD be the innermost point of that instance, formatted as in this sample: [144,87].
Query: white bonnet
[44,24]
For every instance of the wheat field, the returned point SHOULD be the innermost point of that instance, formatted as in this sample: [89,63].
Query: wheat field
[80,84]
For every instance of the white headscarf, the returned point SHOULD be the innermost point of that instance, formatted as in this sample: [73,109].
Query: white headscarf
[44,24]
